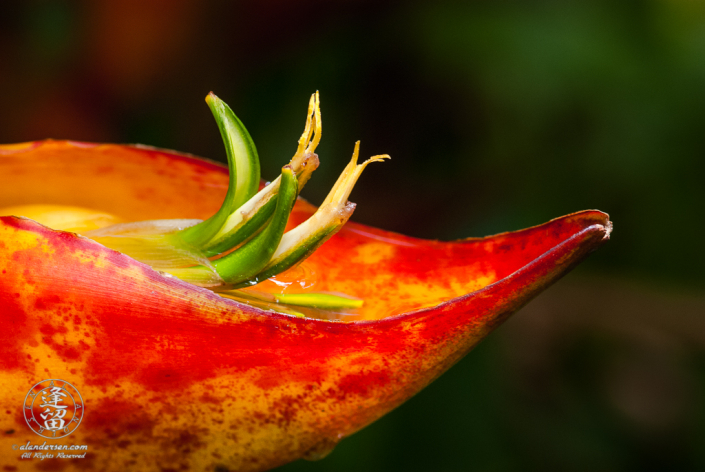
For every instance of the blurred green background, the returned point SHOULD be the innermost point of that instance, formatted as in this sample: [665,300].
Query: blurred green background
[498,115]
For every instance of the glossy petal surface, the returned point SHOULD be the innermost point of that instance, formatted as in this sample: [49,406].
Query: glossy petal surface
[176,377]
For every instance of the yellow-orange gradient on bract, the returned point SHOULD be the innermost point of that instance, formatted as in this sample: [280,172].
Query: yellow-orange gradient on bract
[175,377]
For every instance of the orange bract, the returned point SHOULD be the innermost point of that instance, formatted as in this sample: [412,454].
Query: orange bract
[175,376]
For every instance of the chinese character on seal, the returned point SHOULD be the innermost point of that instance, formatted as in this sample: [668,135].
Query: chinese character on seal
[53,408]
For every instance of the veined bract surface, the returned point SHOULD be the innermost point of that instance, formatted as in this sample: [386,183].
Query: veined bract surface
[176,377]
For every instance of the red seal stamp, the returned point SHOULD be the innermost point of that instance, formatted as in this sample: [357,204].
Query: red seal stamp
[53,408]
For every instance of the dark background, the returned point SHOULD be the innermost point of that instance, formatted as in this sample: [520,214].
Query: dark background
[498,115]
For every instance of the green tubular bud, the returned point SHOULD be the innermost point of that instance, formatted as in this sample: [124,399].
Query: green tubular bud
[309,302]
[302,241]
[249,224]
[251,217]
[261,301]
[243,164]
[170,244]
[323,301]
[303,248]
[254,255]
